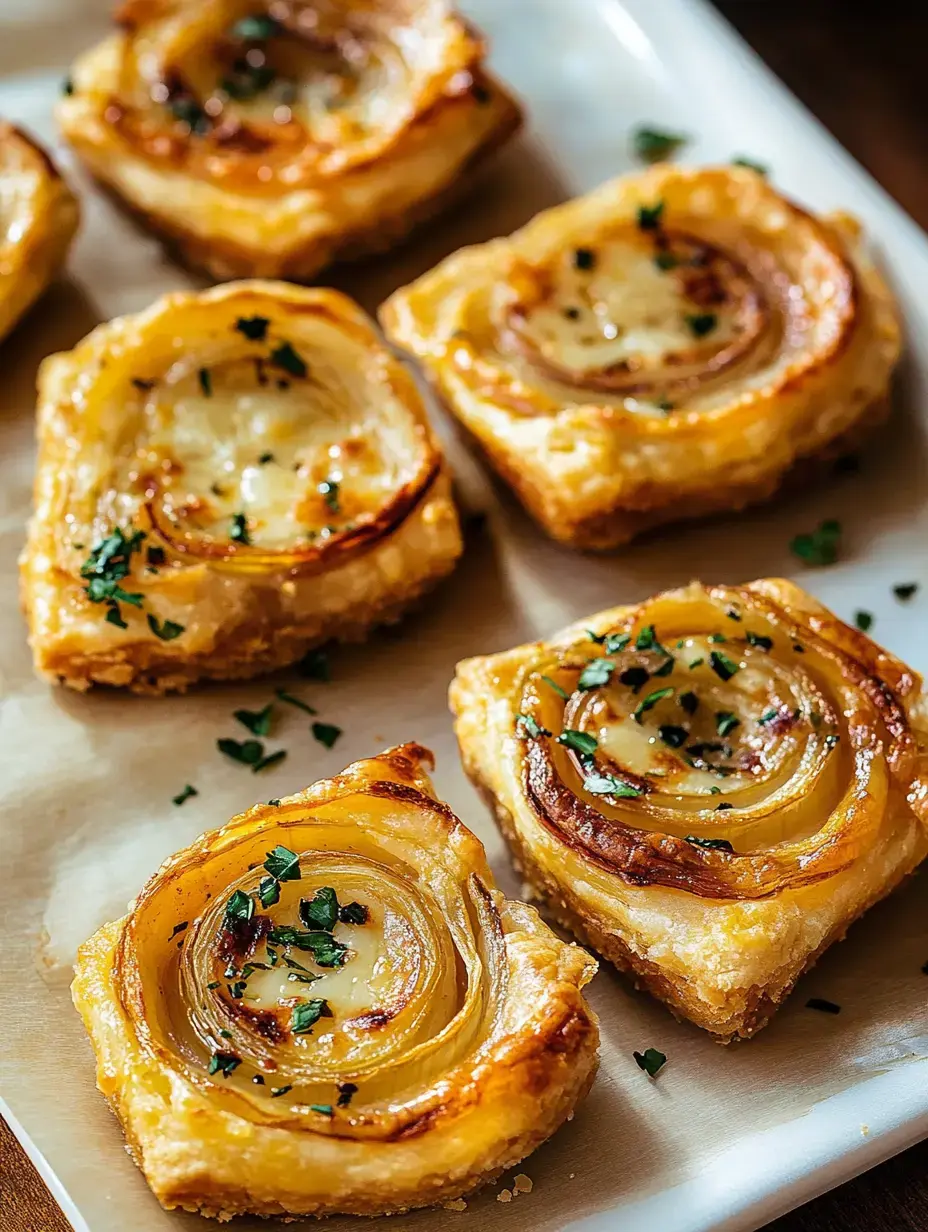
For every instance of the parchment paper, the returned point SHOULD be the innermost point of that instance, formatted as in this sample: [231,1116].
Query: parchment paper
[86,786]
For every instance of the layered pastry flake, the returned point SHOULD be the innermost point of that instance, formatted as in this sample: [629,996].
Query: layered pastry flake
[270,139]
[673,344]
[326,1006]
[38,218]
[708,787]
[225,481]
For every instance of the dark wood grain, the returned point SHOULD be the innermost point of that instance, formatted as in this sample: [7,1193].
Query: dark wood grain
[25,1203]
[861,69]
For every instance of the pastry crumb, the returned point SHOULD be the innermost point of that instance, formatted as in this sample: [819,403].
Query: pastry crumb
[522,1184]
[456,1204]
[505,1195]
[865,1130]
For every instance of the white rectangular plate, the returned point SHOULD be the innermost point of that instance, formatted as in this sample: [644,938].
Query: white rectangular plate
[724,1139]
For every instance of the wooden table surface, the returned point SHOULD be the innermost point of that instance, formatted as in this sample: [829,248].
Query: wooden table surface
[864,75]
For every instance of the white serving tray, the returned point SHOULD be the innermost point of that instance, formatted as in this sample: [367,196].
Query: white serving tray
[724,1139]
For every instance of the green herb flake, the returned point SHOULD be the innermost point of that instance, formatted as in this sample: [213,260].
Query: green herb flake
[254,328]
[553,684]
[322,1109]
[248,752]
[239,530]
[596,674]
[650,216]
[526,725]
[67,87]
[166,630]
[649,702]
[863,620]
[726,722]
[239,909]
[767,718]
[666,261]
[257,28]
[315,666]
[651,1061]
[689,701]
[905,591]
[206,382]
[320,911]
[106,566]
[298,702]
[223,1063]
[701,323]
[272,759]
[723,667]
[635,677]
[646,639]
[584,259]
[326,733]
[354,913]
[276,1092]
[288,359]
[758,640]
[711,844]
[329,490]
[580,742]
[672,735]
[819,547]
[610,785]
[654,145]
[346,1092]
[265,458]
[269,891]
[184,795]
[751,165]
[283,864]
[305,1015]
[325,949]
[258,722]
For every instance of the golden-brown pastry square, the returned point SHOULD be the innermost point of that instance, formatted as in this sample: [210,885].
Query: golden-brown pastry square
[225,481]
[269,140]
[38,218]
[327,1006]
[709,787]
[673,344]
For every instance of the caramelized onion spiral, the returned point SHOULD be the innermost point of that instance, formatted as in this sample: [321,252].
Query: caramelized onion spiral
[267,138]
[334,979]
[729,746]
[671,344]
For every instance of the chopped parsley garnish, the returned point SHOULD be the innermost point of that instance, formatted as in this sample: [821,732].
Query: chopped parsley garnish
[526,725]
[649,702]
[905,591]
[258,1080]
[820,546]
[329,490]
[254,328]
[651,1061]
[717,638]
[256,29]
[819,1003]
[556,687]
[269,891]
[346,1091]
[223,1063]
[649,216]
[831,740]
[166,630]
[248,752]
[322,1109]
[580,742]
[711,844]
[673,736]
[645,639]
[239,531]
[315,666]
[758,640]
[265,458]
[635,677]
[189,112]
[326,733]
[722,665]
[609,785]
[239,909]
[611,642]
[751,165]
[689,701]
[247,80]
[258,722]
[320,911]
[67,86]
[114,617]
[276,1092]
[694,663]
[732,614]
[665,668]
[272,759]
[768,717]
[701,323]
[354,913]
[283,864]
[185,795]
[653,145]
[325,949]
[863,620]
[106,566]
[287,358]
[572,314]
[726,722]
[584,259]
[305,1015]
[666,261]
[206,382]
[291,700]
[596,674]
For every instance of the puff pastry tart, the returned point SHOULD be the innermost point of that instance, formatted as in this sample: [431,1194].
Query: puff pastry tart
[709,787]
[38,218]
[267,139]
[668,346]
[326,1006]
[225,481]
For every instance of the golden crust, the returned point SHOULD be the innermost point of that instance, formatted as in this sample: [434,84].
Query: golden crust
[263,146]
[462,1078]
[38,218]
[717,874]
[250,469]
[674,344]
